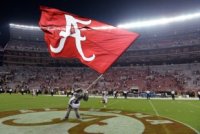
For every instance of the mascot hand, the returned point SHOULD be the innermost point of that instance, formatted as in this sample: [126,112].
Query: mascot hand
[85,97]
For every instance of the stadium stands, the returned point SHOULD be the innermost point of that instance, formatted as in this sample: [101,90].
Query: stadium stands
[161,60]
[158,78]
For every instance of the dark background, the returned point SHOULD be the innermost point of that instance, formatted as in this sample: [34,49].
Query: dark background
[109,11]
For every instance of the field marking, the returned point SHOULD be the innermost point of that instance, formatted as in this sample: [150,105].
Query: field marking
[172,119]
[182,123]
[157,114]
[196,106]
[154,109]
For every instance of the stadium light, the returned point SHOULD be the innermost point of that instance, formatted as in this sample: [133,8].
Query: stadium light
[148,23]
[161,21]
[23,26]
[53,28]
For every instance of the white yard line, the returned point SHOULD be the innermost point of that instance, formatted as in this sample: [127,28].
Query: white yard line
[153,107]
[157,114]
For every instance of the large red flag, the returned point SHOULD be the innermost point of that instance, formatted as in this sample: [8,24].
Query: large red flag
[94,43]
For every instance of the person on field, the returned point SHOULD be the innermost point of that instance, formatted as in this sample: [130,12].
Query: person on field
[104,98]
[198,94]
[173,94]
[52,92]
[10,91]
[33,92]
[22,91]
[125,94]
[148,94]
[37,92]
[1,90]
[115,93]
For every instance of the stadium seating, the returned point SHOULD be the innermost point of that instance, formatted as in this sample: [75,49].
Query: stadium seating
[181,78]
[161,60]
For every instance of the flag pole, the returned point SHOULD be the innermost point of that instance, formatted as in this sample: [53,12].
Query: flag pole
[94,82]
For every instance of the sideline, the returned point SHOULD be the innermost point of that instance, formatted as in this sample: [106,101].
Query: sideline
[142,98]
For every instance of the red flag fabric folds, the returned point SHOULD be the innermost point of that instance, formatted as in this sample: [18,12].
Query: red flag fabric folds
[94,43]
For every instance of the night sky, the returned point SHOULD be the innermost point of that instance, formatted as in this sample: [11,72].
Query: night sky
[109,11]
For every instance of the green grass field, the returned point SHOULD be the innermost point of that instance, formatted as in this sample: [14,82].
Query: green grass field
[185,111]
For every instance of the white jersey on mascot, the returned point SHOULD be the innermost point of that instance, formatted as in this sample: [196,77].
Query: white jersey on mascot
[74,102]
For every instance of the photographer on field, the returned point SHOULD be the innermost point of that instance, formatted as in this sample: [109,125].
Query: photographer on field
[173,94]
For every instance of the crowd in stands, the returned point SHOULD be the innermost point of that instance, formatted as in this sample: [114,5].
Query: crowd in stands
[22,45]
[187,39]
[183,78]
[174,40]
